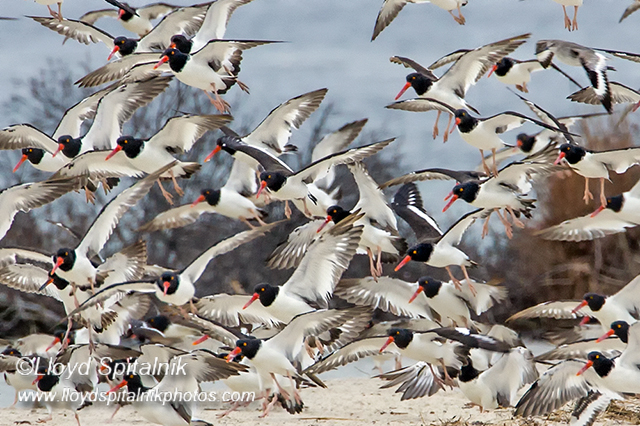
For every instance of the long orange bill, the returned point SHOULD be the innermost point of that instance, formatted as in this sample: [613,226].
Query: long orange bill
[113,52]
[116,150]
[55,342]
[327,220]
[455,123]
[120,13]
[166,285]
[585,368]
[389,341]
[580,306]
[216,150]
[200,340]
[59,262]
[453,199]
[162,60]
[22,160]
[198,201]
[418,291]
[263,185]
[606,335]
[234,353]
[255,297]
[585,320]
[559,159]
[598,210]
[118,386]
[60,148]
[49,281]
[404,261]
[404,89]
[37,379]
[495,67]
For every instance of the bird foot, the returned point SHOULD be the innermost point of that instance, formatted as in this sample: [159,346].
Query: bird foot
[587,196]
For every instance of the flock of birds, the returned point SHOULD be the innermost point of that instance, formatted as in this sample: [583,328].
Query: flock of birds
[278,339]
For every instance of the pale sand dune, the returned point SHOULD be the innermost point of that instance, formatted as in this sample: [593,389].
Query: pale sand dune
[346,402]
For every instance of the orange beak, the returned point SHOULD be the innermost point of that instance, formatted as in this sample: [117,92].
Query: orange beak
[404,261]
[216,150]
[606,335]
[495,67]
[453,199]
[172,46]
[404,89]
[418,291]
[162,60]
[200,340]
[580,306]
[255,297]
[166,285]
[234,353]
[113,52]
[55,342]
[389,341]
[327,220]
[120,13]
[198,201]
[37,379]
[118,386]
[585,320]
[263,185]
[22,160]
[455,123]
[598,210]
[43,286]
[116,150]
[585,368]
[559,159]
[60,148]
[59,262]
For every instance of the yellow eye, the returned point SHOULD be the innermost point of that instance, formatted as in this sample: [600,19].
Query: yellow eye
[244,344]
[268,176]
[619,326]
[415,252]
[597,356]
[459,189]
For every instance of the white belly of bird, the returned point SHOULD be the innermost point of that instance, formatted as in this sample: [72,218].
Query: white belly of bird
[51,164]
[447,255]
[445,96]
[82,273]
[235,206]
[478,394]
[200,76]
[590,169]
[151,159]
[610,312]
[285,307]
[630,209]
[137,25]
[488,199]
[373,238]
[293,190]
[269,360]
[482,138]
[443,4]
[449,306]
[518,74]
[183,294]
[569,2]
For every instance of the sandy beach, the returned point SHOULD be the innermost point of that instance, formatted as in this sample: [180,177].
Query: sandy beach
[353,401]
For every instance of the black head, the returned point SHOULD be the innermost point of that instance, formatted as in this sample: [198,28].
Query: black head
[467,191]
[420,82]
[176,58]
[160,323]
[60,283]
[65,258]
[465,121]
[226,144]
[503,67]
[420,252]
[601,363]
[168,283]
[594,301]
[70,146]
[572,153]
[337,213]
[267,293]
[615,203]
[430,286]
[130,145]
[125,14]
[181,43]
[48,381]
[249,347]
[134,382]
[401,337]
[621,329]
[34,155]
[126,46]
[211,196]
[526,142]
[11,351]
[467,373]
[274,180]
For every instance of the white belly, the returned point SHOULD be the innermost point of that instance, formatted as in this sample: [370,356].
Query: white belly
[183,294]
[482,138]
[200,76]
[447,255]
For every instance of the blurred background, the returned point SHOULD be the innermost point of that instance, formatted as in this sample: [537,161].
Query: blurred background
[328,45]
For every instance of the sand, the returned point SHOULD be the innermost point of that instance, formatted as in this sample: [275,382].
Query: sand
[353,401]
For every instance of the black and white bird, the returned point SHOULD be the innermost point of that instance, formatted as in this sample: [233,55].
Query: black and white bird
[597,164]
[620,94]
[619,213]
[391,8]
[450,89]
[513,71]
[136,20]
